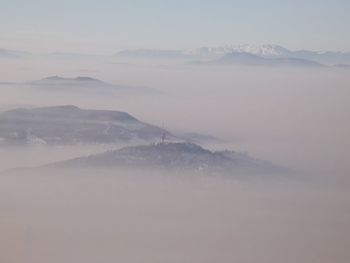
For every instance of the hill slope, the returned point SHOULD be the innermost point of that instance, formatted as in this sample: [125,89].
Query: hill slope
[69,124]
[176,157]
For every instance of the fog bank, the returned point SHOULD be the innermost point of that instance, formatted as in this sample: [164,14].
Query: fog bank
[104,216]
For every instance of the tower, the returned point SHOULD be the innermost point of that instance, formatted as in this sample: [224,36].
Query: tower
[163,133]
[163,137]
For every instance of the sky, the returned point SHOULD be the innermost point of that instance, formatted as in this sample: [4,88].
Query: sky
[105,26]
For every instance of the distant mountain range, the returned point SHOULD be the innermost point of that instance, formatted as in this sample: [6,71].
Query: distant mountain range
[56,80]
[10,54]
[248,59]
[84,85]
[61,125]
[176,157]
[286,56]
[87,84]
[328,58]
[276,51]
[153,54]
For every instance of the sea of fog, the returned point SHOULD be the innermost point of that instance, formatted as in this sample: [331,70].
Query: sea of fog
[122,216]
[293,117]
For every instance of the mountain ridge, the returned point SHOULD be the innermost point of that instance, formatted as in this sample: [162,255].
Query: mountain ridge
[248,59]
[271,51]
[326,57]
[176,157]
[93,86]
[68,124]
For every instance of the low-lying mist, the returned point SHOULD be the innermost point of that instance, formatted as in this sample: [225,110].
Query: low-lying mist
[146,131]
[293,117]
[117,215]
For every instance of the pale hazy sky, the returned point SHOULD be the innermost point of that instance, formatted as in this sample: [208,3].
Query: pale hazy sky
[105,26]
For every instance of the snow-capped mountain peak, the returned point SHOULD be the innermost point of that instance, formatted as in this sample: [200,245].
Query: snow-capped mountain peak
[262,50]
[267,50]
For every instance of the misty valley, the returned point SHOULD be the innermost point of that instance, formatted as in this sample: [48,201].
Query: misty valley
[130,132]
